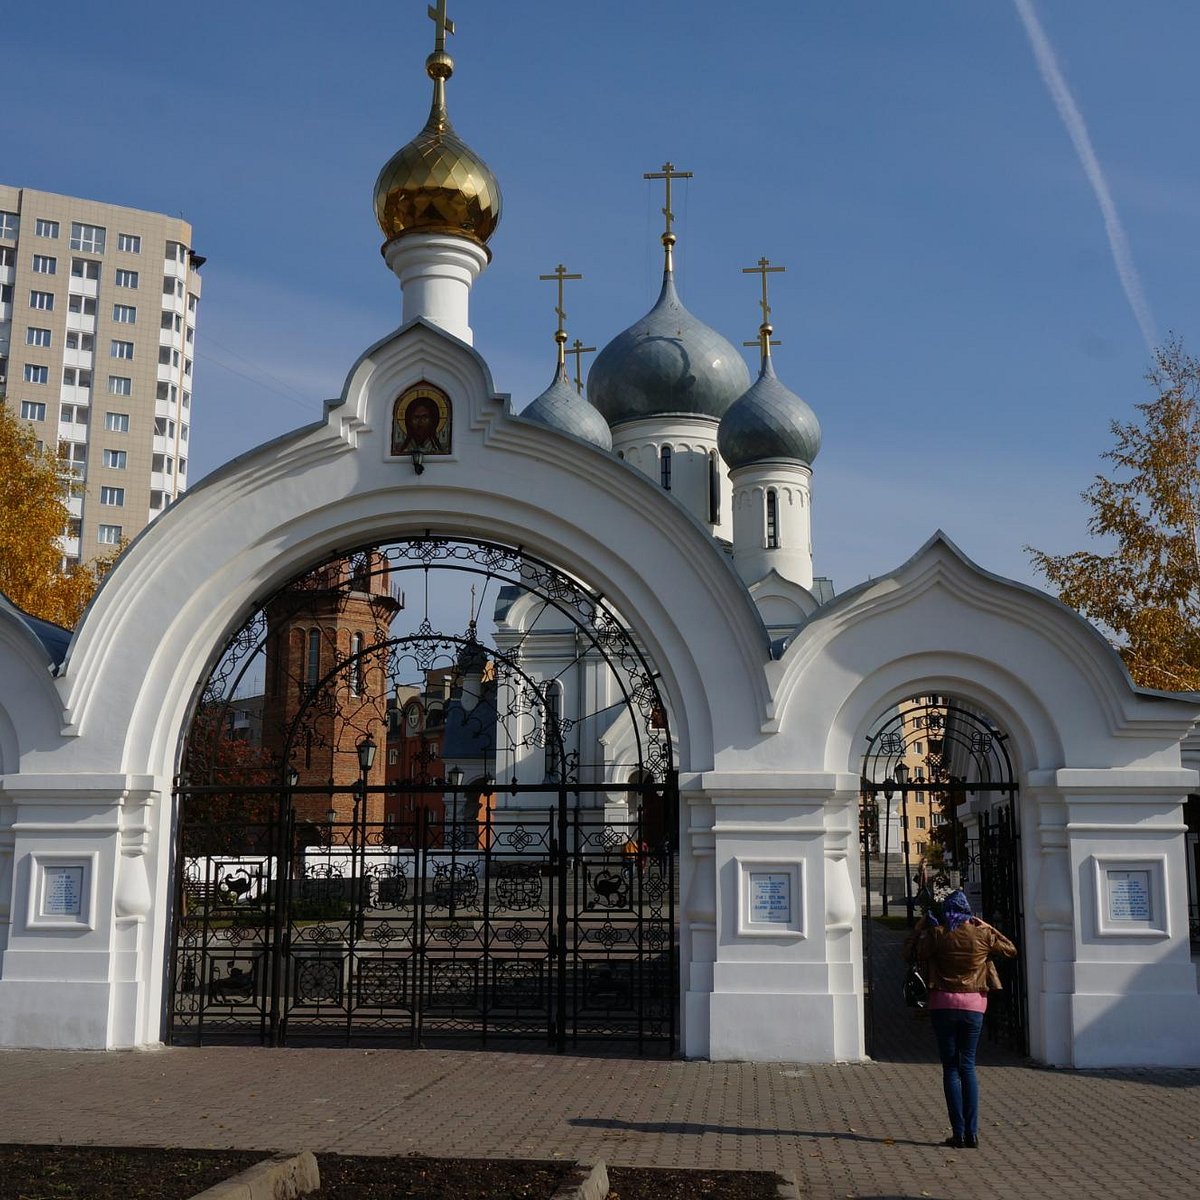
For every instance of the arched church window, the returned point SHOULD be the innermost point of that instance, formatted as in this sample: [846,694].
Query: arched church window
[772,519]
[313,663]
[664,466]
[357,676]
[714,489]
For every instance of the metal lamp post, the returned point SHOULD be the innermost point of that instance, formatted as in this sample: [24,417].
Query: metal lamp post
[455,779]
[888,786]
[285,849]
[366,751]
[902,777]
[366,760]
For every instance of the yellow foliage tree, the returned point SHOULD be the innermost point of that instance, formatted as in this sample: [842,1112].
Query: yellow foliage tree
[1146,591]
[32,518]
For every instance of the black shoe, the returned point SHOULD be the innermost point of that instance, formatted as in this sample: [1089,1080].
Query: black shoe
[971,1141]
[954,1141]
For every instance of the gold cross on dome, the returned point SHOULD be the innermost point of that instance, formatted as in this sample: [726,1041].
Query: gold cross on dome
[560,273]
[579,350]
[442,24]
[764,269]
[668,173]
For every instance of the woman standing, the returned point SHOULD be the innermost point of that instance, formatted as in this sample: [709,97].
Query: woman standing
[956,952]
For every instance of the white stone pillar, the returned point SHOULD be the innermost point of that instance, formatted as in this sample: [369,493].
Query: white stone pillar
[779,952]
[1111,848]
[77,971]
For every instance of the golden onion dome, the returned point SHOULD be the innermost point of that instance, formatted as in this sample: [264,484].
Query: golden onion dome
[437,183]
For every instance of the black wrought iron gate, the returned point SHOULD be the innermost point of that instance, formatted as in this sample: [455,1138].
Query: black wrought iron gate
[538,920]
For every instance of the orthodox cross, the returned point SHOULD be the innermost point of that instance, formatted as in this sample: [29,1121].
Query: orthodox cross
[763,341]
[442,24]
[579,350]
[560,274]
[668,173]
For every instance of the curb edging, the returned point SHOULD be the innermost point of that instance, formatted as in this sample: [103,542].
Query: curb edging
[789,1188]
[585,1183]
[279,1178]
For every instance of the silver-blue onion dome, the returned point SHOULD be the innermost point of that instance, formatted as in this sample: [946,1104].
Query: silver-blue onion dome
[667,364]
[560,406]
[768,423]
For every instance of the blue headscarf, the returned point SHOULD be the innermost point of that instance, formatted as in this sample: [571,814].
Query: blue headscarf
[956,909]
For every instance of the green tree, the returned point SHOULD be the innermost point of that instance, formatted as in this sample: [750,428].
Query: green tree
[1145,590]
[33,516]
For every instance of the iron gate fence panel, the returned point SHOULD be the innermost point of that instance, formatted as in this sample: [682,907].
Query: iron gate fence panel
[544,922]
[225,915]
[622,945]
[940,759]
[998,866]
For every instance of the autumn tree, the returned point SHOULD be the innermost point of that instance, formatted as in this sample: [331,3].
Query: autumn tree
[33,516]
[1145,590]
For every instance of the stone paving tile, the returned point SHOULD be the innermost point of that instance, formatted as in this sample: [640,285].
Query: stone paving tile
[857,1130]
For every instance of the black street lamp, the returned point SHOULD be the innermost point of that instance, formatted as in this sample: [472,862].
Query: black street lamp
[366,755]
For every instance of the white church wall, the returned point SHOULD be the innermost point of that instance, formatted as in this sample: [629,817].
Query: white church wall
[692,441]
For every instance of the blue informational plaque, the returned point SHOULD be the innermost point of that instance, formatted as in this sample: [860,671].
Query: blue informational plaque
[770,897]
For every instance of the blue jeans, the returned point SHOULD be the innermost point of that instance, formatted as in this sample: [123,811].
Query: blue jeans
[957,1034]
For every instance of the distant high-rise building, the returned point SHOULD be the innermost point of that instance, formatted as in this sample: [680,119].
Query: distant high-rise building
[97,339]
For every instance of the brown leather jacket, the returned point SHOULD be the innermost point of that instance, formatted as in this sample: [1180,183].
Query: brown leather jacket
[959,961]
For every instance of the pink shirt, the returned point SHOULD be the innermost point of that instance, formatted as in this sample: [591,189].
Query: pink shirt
[963,1001]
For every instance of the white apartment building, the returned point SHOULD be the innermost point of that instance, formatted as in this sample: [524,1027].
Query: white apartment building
[97,341]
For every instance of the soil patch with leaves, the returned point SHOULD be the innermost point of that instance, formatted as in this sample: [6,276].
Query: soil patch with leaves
[115,1173]
[143,1173]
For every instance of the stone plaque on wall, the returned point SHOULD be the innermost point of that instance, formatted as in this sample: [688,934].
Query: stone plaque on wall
[1130,896]
[770,897]
[60,891]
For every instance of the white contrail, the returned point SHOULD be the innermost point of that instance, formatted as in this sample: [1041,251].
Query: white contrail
[1072,118]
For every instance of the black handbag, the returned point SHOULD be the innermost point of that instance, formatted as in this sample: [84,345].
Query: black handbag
[916,990]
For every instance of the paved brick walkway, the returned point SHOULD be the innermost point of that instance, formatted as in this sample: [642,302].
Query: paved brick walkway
[864,1131]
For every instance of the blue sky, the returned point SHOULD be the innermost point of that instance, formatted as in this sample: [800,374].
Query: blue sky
[951,309]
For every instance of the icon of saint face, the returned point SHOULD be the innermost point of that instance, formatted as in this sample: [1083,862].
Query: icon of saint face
[421,420]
